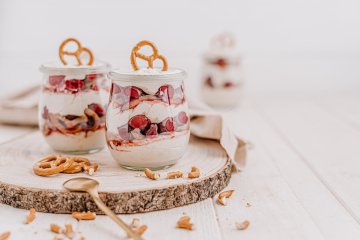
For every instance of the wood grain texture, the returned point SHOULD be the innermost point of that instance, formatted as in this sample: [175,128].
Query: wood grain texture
[288,201]
[122,190]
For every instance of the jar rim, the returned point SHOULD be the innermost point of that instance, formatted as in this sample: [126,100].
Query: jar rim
[54,67]
[172,74]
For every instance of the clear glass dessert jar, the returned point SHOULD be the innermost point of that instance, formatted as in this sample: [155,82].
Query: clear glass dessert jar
[147,120]
[72,107]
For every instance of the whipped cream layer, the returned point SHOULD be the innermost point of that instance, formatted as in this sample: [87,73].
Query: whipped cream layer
[163,151]
[77,142]
[69,104]
[222,97]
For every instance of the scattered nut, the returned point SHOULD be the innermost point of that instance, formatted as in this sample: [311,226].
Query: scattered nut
[222,197]
[69,232]
[150,174]
[59,237]
[195,172]
[184,223]
[173,175]
[135,223]
[90,169]
[135,226]
[55,228]
[84,215]
[5,236]
[242,226]
[31,216]
[140,230]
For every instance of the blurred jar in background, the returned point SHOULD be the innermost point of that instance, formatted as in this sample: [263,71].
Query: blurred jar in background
[222,78]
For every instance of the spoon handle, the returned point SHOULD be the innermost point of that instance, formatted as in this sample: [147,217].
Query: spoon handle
[113,216]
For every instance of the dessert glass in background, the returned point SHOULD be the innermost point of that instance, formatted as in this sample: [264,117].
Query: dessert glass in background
[147,120]
[72,103]
[222,77]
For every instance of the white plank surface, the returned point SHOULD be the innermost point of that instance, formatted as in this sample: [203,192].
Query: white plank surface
[302,180]
[293,201]
[327,144]
[161,224]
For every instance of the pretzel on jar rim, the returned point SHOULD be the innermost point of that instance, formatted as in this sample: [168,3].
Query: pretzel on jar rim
[77,54]
[149,59]
[51,165]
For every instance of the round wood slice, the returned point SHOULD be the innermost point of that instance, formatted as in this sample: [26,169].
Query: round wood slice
[124,191]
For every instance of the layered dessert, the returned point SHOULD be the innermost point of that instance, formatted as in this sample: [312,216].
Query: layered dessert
[72,109]
[222,75]
[147,118]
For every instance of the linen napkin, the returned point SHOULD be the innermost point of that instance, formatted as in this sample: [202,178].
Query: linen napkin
[21,109]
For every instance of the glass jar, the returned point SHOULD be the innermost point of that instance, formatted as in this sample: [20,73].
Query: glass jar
[147,120]
[222,78]
[72,107]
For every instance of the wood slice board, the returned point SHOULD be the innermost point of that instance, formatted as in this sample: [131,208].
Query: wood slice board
[124,191]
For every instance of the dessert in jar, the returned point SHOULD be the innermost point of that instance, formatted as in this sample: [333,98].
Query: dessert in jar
[147,120]
[222,77]
[72,102]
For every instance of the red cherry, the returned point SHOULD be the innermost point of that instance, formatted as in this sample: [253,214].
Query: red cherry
[91,77]
[133,92]
[208,82]
[45,113]
[167,125]
[116,88]
[74,84]
[56,80]
[139,121]
[182,117]
[221,63]
[123,132]
[97,108]
[153,130]
[228,84]
[95,87]
[166,92]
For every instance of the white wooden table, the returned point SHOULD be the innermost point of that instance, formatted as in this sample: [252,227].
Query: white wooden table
[302,179]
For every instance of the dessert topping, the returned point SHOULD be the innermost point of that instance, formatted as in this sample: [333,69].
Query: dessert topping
[77,54]
[149,59]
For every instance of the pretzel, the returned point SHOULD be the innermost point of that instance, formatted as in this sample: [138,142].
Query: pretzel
[78,165]
[51,165]
[76,54]
[224,40]
[92,114]
[150,59]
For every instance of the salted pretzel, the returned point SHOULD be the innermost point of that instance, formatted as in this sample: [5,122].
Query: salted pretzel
[77,54]
[149,59]
[51,165]
[224,40]
[78,165]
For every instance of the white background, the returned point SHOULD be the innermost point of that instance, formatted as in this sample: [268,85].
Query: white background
[290,47]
